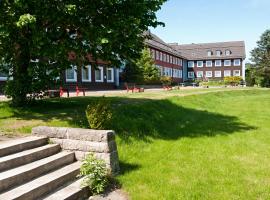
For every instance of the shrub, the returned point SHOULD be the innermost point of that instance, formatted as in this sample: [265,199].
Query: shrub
[232,80]
[166,80]
[99,114]
[95,174]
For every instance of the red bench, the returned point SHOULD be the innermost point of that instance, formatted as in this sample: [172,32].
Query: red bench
[133,88]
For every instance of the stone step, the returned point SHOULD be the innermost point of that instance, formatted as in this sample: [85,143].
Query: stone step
[43,185]
[28,156]
[70,191]
[18,145]
[20,175]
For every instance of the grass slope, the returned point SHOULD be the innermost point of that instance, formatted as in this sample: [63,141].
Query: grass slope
[210,146]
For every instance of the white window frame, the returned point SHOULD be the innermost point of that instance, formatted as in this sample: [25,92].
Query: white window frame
[216,65]
[239,72]
[228,52]
[191,76]
[208,76]
[227,65]
[209,53]
[89,68]
[3,78]
[157,55]
[102,75]
[235,62]
[180,74]
[198,63]
[218,74]
[189,64]
[226,74]
[209,61]
[112,74]
[201,74]
[218,53]
[74,68]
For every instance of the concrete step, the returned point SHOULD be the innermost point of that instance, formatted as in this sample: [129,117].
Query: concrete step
[18,145]
[28,156]
[70,191]
[43,185]
[20,175]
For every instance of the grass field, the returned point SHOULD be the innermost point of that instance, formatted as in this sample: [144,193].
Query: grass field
[206,146]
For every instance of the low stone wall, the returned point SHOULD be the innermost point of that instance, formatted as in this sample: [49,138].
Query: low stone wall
[83,141]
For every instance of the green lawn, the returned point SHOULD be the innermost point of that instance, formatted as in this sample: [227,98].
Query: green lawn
[206,146]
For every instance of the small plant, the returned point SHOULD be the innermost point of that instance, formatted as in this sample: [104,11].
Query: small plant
[95,174]
[166,80]
[232,80]
[99,114]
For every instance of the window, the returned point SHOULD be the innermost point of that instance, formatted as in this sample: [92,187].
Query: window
[171,59]
[180,73]
[209,63]
[209,53]
[227,73]
[99,74]
[160,56]
[228,52]
[153,53]
[236,72]
[71,74]
[180,62]
[199,74]
[208,74]
[218,63]
[3,76]
[237,62]
[167,71]
[191,64]
[190,74]
[218,53]
[86,73]
[157,55]
[227,63]
[168,58]
[110,75]
[159,69]
[218,74]
[199,63]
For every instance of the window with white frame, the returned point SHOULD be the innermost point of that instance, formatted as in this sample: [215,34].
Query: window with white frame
[209,53]
[71,74]
[159,69]
[199,74]
[209,63]
[180,62]
[86,73]
[168,58]
[218,74]
[99,74]
[110,75]
[190,74]
[171,59]
[227,63]
[153,53]
[191,64]
[157,55]
[208,74]
[218,63]
[227,73]
[228,52]
[237,62]
[3,76]
[180,74]
[160,56]
[236,73]
[218,53]
[199,63]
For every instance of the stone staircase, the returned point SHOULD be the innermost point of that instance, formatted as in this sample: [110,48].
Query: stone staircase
[32,169]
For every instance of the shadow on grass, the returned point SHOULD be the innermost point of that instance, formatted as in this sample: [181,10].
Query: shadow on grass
[140,119]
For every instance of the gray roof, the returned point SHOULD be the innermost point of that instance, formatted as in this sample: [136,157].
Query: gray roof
[157,43]
[199,51]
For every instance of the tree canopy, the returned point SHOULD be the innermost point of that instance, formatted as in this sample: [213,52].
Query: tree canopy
[36,37]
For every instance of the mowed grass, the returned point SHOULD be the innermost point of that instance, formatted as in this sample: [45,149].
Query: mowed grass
[207,146]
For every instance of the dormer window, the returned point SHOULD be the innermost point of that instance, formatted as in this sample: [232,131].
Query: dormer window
[209,53]
[218,53]
[228,52]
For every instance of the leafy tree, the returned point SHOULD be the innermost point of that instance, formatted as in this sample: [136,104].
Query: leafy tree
[261,58]
[150,72]
[39,39]
[132,73]
[250,74]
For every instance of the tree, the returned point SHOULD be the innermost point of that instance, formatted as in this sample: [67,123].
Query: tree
[261,58]
[150,72]
[250,74]
[39,39]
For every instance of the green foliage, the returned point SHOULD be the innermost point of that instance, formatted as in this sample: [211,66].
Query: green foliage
[95,174]
[99,114]
[132,73]
[166,80]
[37,36]
[261,58]
[250,75]
[232,80]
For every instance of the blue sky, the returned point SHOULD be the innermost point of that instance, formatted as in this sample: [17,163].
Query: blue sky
[199,21]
